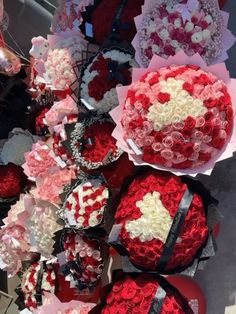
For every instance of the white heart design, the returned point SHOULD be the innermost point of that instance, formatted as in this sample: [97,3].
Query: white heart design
[179,107]
[155,221]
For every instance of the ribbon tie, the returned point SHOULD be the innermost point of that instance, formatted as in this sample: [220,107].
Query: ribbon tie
[115,71]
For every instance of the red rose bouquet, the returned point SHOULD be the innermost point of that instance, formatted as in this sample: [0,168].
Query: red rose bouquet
[108,69]
[85,203]
[178,116]
[91,143]
[118,16]
[163,222]
[142,293]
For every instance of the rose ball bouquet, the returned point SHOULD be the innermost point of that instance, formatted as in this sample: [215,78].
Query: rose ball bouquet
[177,116]
[195,26]
[162,222]
[83,264]
[141,293]
[99,78]
[90,142]
[118,16]
[85,203]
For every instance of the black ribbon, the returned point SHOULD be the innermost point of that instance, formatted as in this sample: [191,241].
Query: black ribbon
[115,69]
[175,229]
[157,301]
[116,24]
[85,141]
[38,295]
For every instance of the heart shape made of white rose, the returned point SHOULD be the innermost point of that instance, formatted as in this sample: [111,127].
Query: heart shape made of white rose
[179,107]
[155,221]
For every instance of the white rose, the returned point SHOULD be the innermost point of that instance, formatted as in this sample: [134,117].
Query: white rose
[189,27]
[165,20]
[174,43]
[164,34]
[197,37]
[155,49]
[169,8]
[208,19]
[177,23]
[206,34]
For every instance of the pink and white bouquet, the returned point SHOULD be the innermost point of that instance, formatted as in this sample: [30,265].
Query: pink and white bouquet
[195,26]
[177,114]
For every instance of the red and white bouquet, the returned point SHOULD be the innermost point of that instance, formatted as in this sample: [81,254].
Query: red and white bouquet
[84,262]
[152,232]
[194,26]
[177,116]
[108,69]
[85,203]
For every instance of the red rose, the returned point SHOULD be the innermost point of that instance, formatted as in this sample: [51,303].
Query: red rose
[203,24]
[177,146]
[202,79]
[143,78]
[188,149]
[190,123]
[194,20]
[187,133]
[208,116]
[154,79]
[210,103]
[169,50]
[204,156]
[215,131]
[229,113]
[163,97]
[207,128]
[229,128]
[128,293]
[188,87]
[218,142]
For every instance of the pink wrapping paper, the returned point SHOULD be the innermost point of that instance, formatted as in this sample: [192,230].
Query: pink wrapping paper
[180,58]
[228,39]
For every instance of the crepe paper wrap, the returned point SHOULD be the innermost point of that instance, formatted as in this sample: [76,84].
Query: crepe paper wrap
[118,15]
[141,293]
[67,16]
[36,279]
[60,110]
[14,248]
[51,304]
[156,232]
[85,202]
[212,98]
[55,66]
[100,76]
[50,186]
[39,218]
[18,143]
[81,260]
[195,26]
[90,143]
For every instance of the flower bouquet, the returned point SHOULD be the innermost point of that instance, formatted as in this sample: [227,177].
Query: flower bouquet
[100,76]
[36,279]
[90,142]
[177,114]
[141,293]
[81,260]
[118,16]
[85,202]
[195,26]
[161,223]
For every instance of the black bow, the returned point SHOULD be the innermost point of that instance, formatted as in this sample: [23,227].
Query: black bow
[115,71]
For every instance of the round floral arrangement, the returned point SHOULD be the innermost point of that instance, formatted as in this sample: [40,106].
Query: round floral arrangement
[147,211]
[92,144]
[38,278]
[12,181]
[118,16]
[137,294]
[85,204]
[193,26]
[178,117]
[83,258]
[60,61]
[106,71]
